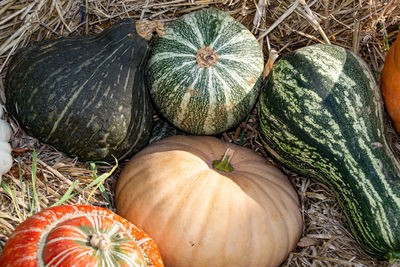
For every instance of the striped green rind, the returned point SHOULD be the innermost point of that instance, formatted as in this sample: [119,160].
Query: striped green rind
[320,114]
[162,129]
[84,95]
[205,100]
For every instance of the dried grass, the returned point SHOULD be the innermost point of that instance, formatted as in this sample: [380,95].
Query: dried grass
[281,26]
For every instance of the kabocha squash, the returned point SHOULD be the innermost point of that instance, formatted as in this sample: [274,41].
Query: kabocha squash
[204,73]
[203,211]
[320,114]
[5,148]
[84,95]
[391,83]
[79,235]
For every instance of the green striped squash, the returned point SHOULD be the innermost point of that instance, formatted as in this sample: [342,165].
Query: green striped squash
[84,95]
[204,73]
[321,115]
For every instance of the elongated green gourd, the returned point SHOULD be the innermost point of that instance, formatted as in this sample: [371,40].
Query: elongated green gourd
[321,115]
[84,95]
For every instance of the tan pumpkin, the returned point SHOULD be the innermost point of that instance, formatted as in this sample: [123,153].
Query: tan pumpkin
[247,215]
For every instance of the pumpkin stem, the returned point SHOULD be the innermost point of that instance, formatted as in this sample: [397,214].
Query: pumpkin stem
[206,57]
[223,164]
[100,241]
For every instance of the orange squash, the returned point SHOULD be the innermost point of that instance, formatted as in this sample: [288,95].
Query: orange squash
[391,83]
[202,211]
[79,235]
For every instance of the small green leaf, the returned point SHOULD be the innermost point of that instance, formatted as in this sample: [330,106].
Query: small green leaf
[67,195]
[102,189]
[96,183]
[386,41]
[99,180]
[22,185]
[34,177]
[13,196]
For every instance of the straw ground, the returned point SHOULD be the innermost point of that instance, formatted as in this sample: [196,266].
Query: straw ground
[41,176]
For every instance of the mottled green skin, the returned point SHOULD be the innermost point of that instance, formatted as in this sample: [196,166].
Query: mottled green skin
[320,114]
[205,100]
[162,129]
[84,95]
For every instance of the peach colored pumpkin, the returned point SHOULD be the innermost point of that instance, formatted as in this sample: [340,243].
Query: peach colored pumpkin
[391,83]
[200,216]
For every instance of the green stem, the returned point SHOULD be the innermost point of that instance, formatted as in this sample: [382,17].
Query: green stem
[223,164]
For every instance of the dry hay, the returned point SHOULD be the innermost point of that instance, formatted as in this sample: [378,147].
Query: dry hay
[281,26]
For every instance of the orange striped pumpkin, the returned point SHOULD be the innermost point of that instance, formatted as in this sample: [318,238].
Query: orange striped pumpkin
[79,235]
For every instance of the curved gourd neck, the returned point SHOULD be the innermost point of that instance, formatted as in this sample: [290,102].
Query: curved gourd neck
[224,164]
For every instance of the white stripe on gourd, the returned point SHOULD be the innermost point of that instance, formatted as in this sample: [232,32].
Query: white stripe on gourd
[312,103]
[359,126]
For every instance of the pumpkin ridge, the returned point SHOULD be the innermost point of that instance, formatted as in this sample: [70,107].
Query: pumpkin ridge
[78,213]
[205,31]
[216,114]
[212,187]
[185,112]
[143,216]
[122,181]
[224,26]
[141,129]
[280,186]
[258,187]
[194,188]
[228,228]
[170,145]
[54,46]
[76,94]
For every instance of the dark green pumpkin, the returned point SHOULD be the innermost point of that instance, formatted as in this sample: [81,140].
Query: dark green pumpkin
[321,115]
[84,95]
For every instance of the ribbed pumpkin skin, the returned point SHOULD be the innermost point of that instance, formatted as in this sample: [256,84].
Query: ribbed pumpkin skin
[205,100]
[391,83]
[199,216]
[61,236]
[320,114]
[84,95]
